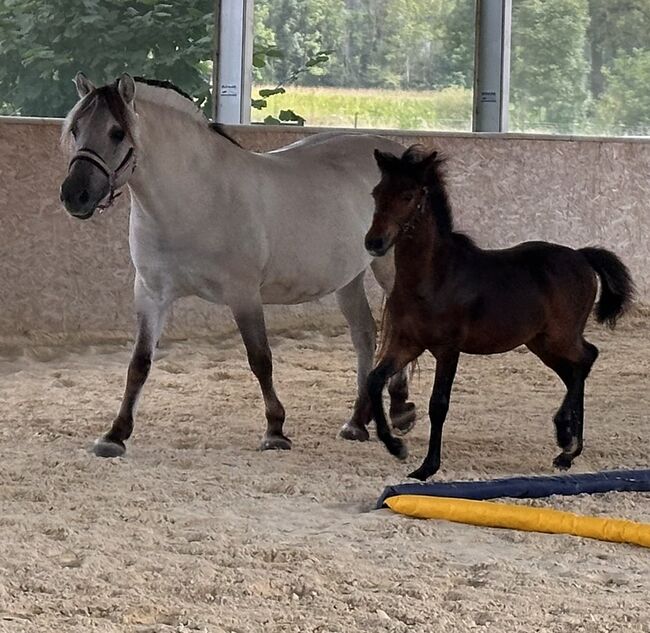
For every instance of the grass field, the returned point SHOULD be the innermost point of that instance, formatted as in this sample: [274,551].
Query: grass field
[448,109]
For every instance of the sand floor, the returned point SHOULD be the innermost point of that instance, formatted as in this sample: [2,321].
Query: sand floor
[198,531]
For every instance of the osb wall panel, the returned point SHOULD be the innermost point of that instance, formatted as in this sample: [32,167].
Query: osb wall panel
[63,276]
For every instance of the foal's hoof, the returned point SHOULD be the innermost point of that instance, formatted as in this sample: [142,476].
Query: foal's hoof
[422,474]
[275,443]
[354,432]
[104,447]
[404,419]
[563,461]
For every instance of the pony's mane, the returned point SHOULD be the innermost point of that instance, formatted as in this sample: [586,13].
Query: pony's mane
[157,91]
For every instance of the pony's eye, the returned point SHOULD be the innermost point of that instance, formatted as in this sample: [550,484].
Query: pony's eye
[117,134]
[407,197]
[73,131]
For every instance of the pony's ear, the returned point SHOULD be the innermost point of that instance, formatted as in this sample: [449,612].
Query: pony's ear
[126,88]
[84,85]
[386,161]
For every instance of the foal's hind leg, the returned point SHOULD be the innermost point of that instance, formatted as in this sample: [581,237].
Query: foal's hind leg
[572,364]
[150,319]
[354,305]
[402,412]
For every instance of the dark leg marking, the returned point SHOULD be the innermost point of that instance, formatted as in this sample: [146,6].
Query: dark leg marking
[446,364]
[253,332]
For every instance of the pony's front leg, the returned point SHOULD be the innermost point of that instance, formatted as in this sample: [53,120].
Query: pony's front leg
[446,364]
[150,320]
[250,321]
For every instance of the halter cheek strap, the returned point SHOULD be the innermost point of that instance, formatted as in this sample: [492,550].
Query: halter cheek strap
[114,176]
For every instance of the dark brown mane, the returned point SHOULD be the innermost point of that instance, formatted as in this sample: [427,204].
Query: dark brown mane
[163,83]
[427,167]
[168,85]
[111,97]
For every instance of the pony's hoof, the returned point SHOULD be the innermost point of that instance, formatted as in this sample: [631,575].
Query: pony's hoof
[275,443]
[404,420]
[104,447]
[354,432]
[563,461]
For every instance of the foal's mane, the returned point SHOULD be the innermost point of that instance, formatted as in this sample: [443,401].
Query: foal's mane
[158,91]
[429,167]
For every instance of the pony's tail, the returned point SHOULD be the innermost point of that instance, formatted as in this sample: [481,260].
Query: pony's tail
[616,285]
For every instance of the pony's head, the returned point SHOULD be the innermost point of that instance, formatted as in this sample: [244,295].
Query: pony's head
[99,133]
[400,194]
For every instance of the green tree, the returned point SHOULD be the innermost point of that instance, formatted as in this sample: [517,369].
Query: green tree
[300,29]
[616,27]
[44,43]
[625,104]
[549,70]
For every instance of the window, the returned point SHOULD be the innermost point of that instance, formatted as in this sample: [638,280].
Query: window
[580,67]
[389,63]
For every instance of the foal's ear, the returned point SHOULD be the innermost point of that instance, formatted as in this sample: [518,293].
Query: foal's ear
[386,161]
[126,88]
[83,84]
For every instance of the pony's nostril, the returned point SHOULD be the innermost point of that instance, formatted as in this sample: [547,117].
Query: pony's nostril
[84,196]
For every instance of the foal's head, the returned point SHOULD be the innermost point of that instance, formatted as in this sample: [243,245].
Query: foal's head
[99,132]
[400,194]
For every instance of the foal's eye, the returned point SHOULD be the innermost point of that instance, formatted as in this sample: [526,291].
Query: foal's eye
[73,131]
[407,197]
[117,134]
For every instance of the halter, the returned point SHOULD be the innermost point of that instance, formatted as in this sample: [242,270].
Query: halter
[412,220]
[113,176]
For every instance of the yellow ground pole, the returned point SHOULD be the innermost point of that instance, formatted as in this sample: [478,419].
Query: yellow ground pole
[519,517]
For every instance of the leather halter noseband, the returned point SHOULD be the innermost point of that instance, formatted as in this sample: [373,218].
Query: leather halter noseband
[112,175]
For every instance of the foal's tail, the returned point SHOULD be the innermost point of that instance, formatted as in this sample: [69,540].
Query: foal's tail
[616,285]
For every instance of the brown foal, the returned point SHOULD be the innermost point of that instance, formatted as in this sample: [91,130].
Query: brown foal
[450,296]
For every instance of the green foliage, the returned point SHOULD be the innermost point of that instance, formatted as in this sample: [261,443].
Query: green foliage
[261,57]
[447,109]
[44,44]
[626,100]
[375,43]
[548,66]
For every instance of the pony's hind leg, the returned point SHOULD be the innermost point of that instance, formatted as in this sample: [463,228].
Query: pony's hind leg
[250,321]
[353,303]
[572,364]
[150,320]
[402,412]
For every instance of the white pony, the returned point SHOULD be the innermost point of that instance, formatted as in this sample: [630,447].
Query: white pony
[237,228]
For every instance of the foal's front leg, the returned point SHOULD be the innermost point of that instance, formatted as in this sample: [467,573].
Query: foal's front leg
[397,356]
[250,321]
[446,364]
[150,320]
